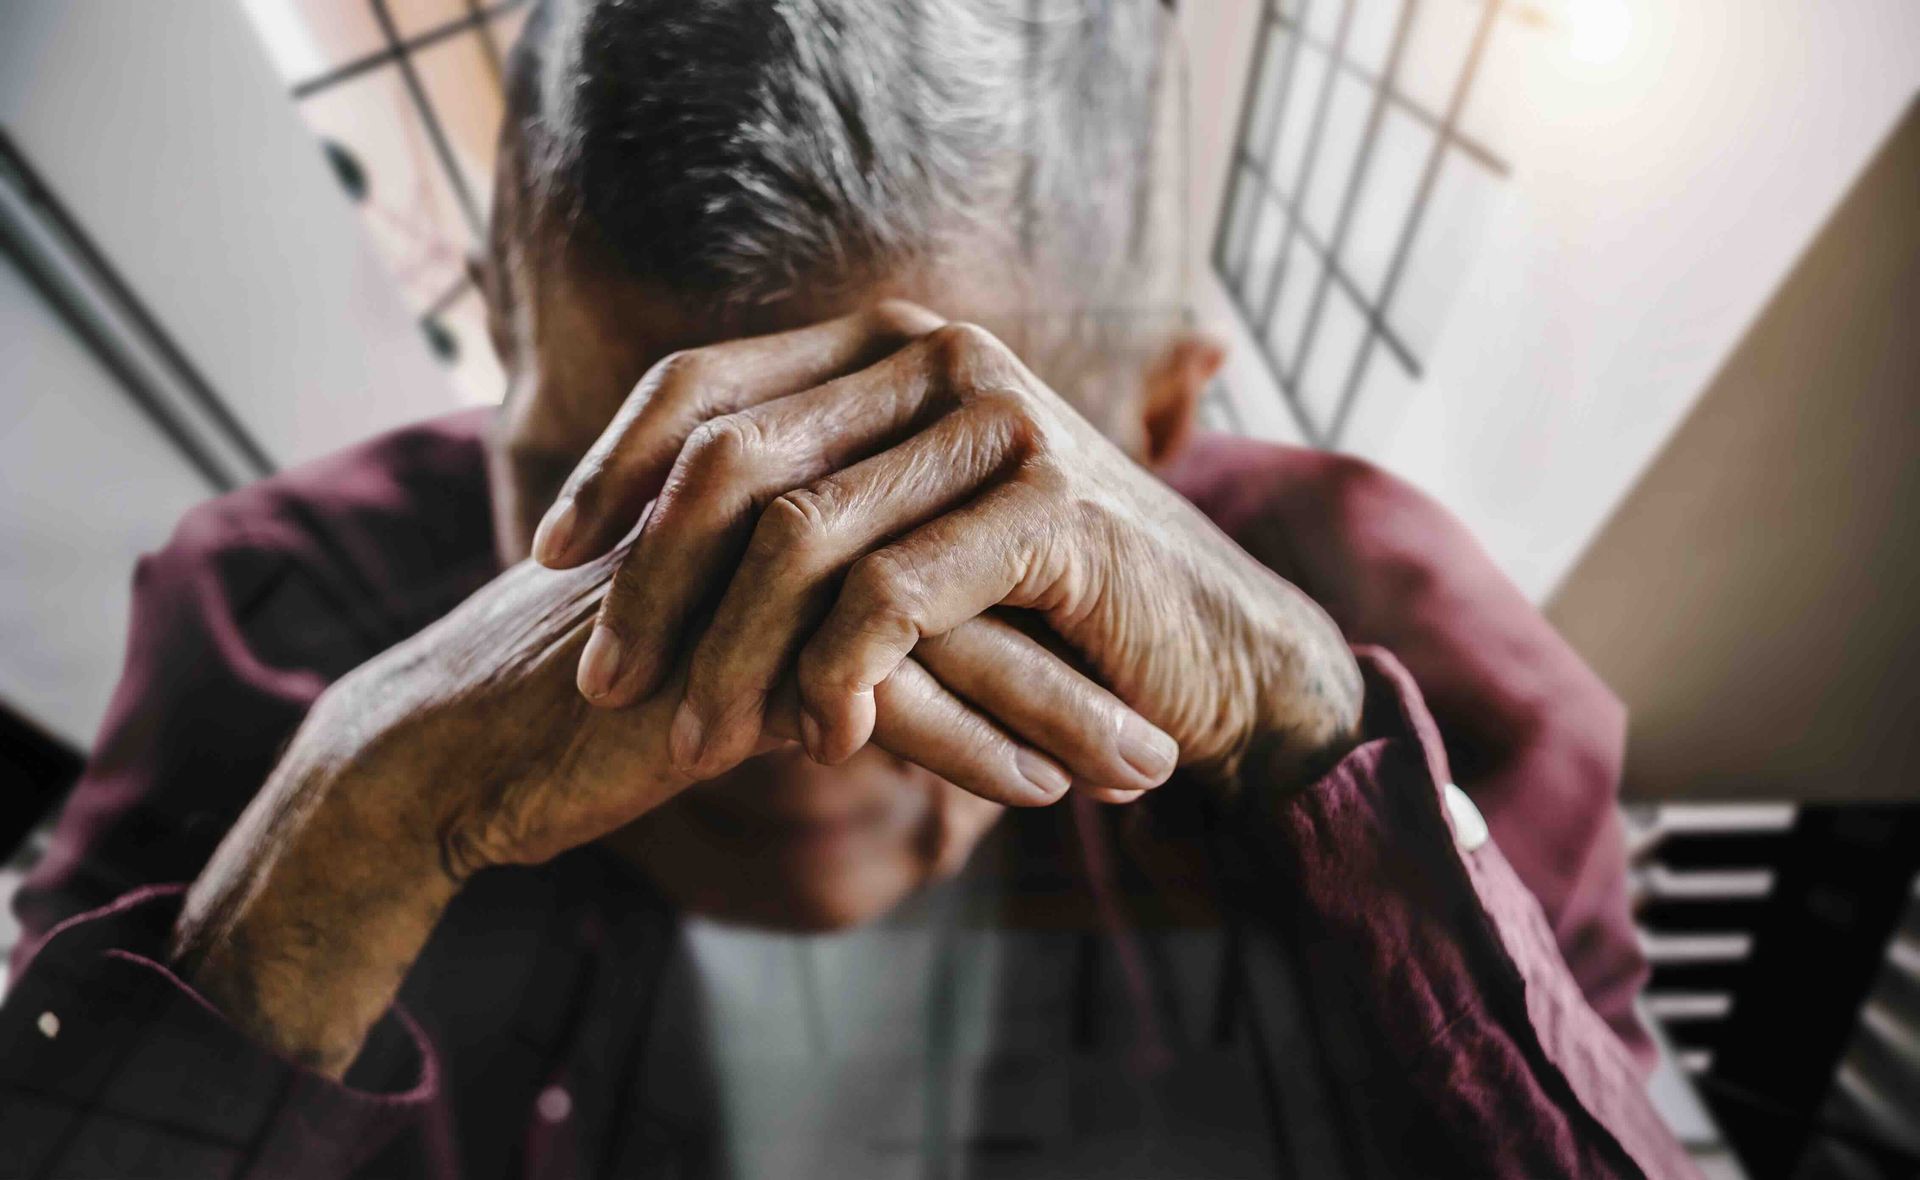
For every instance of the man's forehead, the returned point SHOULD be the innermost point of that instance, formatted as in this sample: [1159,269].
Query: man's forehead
[979,286]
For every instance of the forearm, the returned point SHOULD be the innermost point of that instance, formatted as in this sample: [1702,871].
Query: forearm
[304,923]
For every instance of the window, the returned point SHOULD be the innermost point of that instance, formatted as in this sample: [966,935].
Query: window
[1356,194]
[406,97]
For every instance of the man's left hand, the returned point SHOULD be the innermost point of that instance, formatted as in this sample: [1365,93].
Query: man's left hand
[843,494]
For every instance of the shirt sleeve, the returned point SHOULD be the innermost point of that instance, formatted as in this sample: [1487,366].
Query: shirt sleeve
[110,1065]
[1535,738]
[204,704]
[1421,948]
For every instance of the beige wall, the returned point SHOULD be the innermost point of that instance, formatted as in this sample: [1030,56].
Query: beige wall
[1756,598]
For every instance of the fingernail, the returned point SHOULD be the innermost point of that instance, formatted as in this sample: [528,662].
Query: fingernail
[1041,773]
[600,663]
[686,737]
[555,533]
[1152,753]
[810,736]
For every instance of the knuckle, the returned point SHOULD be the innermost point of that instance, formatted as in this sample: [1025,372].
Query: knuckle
[960,348]
[690,383]
[1090,517]
[723,446]
[883,617]
[678,373]
[886,586]
[900,320]
[795,522]
[1004,412]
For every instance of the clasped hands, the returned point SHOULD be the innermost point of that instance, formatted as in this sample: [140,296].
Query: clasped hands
[836,522]
[882,528]
[878,528]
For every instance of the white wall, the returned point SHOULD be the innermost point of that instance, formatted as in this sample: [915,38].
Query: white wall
[1670,161]
[87,485]
[166,134]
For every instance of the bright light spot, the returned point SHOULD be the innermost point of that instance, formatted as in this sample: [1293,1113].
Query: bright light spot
[1598,30]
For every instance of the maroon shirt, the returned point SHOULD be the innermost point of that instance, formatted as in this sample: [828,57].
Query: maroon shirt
[1472,1005]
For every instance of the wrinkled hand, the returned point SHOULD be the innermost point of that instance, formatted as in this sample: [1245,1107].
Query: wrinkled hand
[852,494]
[468,746]
[475,738]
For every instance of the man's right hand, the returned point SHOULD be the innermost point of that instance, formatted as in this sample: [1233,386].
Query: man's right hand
[469,746]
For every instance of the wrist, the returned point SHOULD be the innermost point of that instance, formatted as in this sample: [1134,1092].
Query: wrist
[313,908]
[1310,701]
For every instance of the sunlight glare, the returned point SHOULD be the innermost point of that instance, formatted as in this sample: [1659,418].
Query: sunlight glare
[1598,30]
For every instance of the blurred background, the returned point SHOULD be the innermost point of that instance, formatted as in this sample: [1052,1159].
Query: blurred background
[1632,287]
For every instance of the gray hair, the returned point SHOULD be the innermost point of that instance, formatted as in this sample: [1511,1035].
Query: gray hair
[746,150]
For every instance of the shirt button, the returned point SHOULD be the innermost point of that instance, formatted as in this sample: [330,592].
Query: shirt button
[49,1025]
[1469,826]
[554,1104]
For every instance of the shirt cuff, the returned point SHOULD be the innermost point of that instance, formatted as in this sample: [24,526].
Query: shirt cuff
[117,1049]
[1398,903]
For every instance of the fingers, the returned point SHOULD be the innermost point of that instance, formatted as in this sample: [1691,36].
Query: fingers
[1001,549]
[1039,697]
[924,723]
[628,463]
[802,544]
[730,468]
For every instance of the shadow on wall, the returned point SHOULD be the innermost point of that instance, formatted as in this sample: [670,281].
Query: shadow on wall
[1756,597]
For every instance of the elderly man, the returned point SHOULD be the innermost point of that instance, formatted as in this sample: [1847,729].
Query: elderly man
[852,456]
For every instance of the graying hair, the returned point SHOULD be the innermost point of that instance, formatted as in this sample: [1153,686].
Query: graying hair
[749,150]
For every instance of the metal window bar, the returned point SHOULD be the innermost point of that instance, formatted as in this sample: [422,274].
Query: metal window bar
[1236,267]
[450,296]
[436,134]
[479,16]
[1252,184]
[1351,198]
[1223,404]
[399,53]
[1339,276]
[1482,155]
[1304,183]
[1396,270]
[496,60]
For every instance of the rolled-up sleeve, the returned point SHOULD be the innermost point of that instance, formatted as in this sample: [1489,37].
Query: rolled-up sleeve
[1464,1045]
[112,1065]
